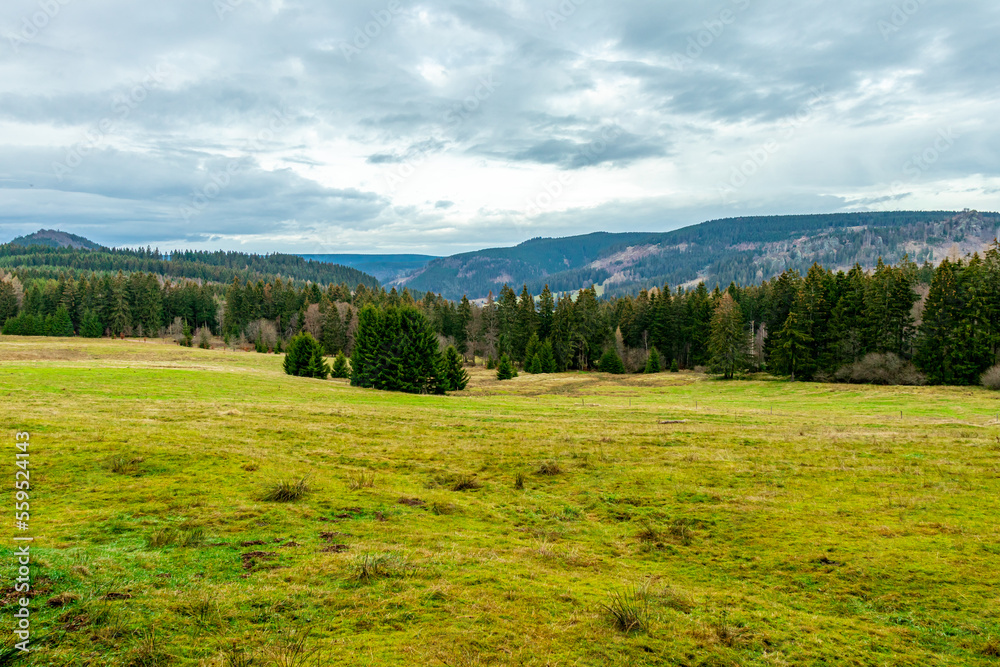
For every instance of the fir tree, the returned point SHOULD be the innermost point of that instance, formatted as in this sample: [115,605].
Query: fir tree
[304,357]
[62,325]
[533,365]
[455,376]
[546,359]
[505,369]
[340,368]
[674,368]
[491,364]
[91,326]
[333,334]
[8,302]
[793,353]
[530,352]
[611,363]
[728,341]
[653,361]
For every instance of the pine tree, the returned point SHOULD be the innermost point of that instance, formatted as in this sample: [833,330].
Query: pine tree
[8,302]
[456,378]
[728,342]
[611,363]
[653,361]
[340,367]
[491,364]
[533,365]
[317,367]
[546,359]
[546,311]
[505,369]
[530,352]
[62,325]
[366,347]
[333,334]
[91,326]
[188,337]
[674,368]
[304,357]
[793,352]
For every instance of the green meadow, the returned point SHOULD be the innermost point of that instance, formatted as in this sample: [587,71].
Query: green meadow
[195,507]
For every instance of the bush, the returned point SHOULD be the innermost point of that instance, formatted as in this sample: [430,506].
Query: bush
[611,363]
[204,338]
[886,369]
[491,364]
[991,378]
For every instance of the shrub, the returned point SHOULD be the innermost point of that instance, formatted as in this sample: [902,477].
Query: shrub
[991,378]
[491,364]
[204,338]
[611,363]
[886,369]
[284,491]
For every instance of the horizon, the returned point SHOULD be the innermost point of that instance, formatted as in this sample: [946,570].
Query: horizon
[397,128]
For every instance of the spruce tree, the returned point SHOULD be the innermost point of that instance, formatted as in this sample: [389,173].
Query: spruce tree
[333,334]
[533,365]
[304,357]
[454,372]
[611,362]
[728,341]
[546,359]
[340,367]
[653,361]
[793,353]
[505,369]
[674,368]
[8,302]
[91,326]
[366,347]
[62,325]
[530,352]
[317,367]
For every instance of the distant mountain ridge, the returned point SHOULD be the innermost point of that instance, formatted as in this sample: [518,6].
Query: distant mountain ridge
[387,268]
[742,250]
[52,238]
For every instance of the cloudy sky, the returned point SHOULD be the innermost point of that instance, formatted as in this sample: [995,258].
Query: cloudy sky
[441,126]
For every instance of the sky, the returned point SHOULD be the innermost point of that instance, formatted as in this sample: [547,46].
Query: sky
[442,126]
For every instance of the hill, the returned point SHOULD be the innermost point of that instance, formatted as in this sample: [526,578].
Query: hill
[743,250]
[41,256]
[387,268]
[51,238]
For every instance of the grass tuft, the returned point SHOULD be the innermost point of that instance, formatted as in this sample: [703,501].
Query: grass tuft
[147,652]
[519,481]
[360,480]
[124,465]
[628,610]
[465,483]
[372,566]
[286,491]
[550,468]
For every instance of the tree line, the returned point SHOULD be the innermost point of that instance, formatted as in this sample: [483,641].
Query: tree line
[943,321]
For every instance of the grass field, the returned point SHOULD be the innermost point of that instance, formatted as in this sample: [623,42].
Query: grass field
[768,523]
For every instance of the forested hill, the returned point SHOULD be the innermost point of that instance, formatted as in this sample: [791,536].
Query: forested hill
[45,261]
[742,250]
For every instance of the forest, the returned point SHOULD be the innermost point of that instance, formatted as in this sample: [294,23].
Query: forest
[912,323]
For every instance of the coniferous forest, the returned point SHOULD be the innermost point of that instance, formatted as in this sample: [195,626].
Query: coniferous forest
[895,324]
